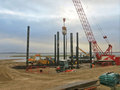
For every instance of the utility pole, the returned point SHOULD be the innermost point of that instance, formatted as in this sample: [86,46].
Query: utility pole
[27,53]
[64,32]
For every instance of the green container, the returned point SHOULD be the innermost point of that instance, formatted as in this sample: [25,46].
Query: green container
[109,79]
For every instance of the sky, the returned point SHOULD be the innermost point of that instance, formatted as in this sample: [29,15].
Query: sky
[45,19]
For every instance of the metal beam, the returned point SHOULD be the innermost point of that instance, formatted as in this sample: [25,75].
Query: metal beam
[57,48]
[90,50]
[71,45]
[27,52]
[77,52]
[64,54]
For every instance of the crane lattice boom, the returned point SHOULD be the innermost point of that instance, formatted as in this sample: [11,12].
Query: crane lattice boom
[88,31]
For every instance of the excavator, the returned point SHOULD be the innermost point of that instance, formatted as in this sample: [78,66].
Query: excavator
[39,61]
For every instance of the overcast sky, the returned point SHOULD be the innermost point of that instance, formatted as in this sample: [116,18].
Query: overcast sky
[45,19]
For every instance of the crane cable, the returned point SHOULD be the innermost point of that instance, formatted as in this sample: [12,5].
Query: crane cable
[103,34]
[98,26]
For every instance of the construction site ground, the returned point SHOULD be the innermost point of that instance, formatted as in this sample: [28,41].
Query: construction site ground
[13,76]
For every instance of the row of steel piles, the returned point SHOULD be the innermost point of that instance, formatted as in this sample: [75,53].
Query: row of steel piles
[56,50]
[77,49]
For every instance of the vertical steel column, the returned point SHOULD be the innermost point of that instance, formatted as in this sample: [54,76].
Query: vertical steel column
[64,54]
[64,32]
[27,53]
[66,47]
[77,52]
[57,48]
[71,45]
[90,47]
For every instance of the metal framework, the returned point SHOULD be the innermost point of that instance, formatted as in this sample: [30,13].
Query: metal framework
[88,31]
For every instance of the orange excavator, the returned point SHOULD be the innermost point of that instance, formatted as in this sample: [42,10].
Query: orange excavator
[33,58]
[39,61]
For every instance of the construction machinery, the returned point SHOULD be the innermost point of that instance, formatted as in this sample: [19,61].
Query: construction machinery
[34,58]
[84,58]
[64,67]
[87,54]
[100,55]
[39,61]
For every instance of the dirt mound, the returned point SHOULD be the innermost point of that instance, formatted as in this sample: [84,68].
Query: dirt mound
[7,74]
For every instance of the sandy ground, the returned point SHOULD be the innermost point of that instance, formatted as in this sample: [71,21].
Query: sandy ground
[14,77]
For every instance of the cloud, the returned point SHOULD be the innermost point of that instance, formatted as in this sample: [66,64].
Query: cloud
[100,2]
[45,19]
[20,45]
[6,13]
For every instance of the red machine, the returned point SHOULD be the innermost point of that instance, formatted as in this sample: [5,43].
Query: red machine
[100,55]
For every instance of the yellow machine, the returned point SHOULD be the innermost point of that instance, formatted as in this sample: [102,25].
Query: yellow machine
[37,59]
[84,52]
[83,57]
[33,58]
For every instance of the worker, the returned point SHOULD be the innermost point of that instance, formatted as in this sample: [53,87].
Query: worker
[92,65]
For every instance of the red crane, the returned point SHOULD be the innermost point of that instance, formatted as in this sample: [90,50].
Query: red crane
[88,31]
